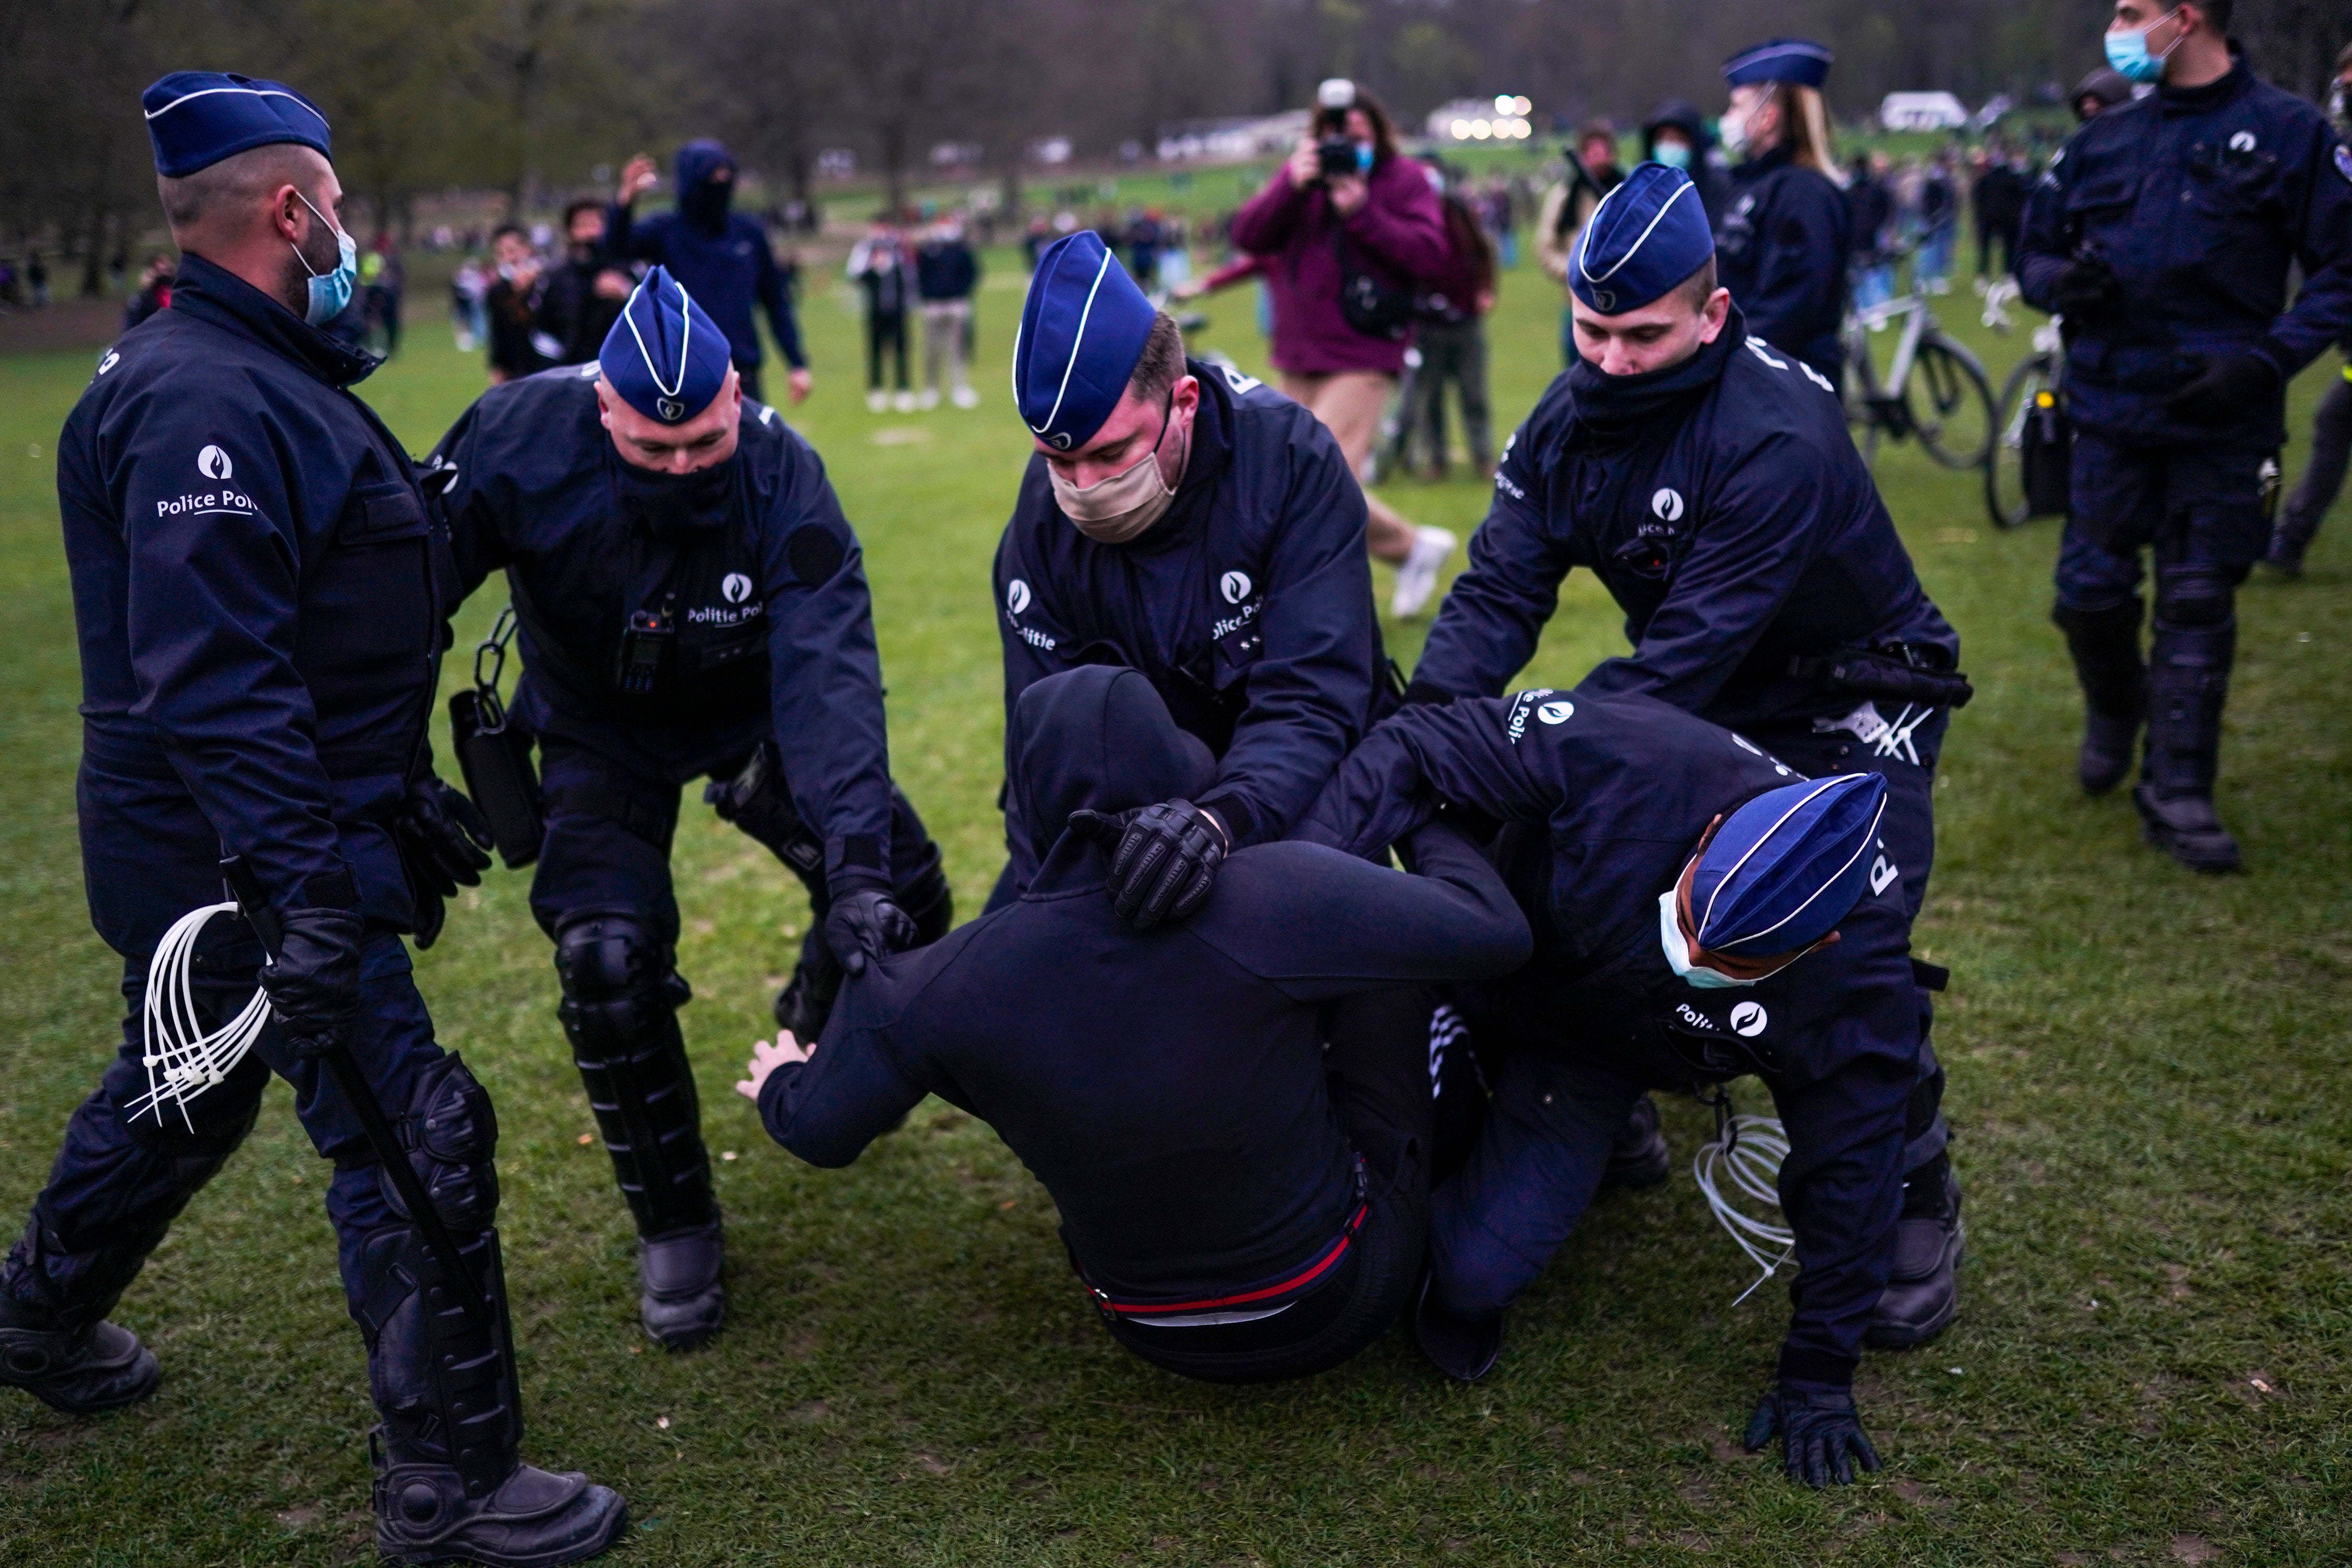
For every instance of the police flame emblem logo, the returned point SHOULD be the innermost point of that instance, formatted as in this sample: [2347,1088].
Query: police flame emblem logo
[736,587]
[1017,595]
[214,464]
[1667,506]
[1235,586]
[1748,1019]
[671,408]
[1559,712]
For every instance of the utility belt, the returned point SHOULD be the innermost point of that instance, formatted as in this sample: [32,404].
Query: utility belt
[1904,672]
[1261,1299]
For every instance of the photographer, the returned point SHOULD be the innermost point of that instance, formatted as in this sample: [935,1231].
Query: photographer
[520,346]
[1348,227]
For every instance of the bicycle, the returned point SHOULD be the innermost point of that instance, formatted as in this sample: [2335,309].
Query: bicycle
[2034,384]
[1934,388]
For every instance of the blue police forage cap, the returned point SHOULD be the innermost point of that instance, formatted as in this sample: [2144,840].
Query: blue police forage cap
[197,118]
[1082,330]
[1645,237]
[665,357]
[1799,60]
[1787,866]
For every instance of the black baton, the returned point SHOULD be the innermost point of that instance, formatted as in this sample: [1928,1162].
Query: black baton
[247,890]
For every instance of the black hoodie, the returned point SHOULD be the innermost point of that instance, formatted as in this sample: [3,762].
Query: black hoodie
[1167,1085]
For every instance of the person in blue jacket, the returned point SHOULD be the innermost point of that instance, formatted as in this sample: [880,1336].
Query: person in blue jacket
[1783,239]
[1700,914]
[1708,480]
[691,603]
[2164,233]
[719,256]
[255,582]
[1232,1112]
[1181,520]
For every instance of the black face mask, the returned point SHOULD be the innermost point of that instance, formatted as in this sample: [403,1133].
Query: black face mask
[704,203]
[699,499]
[1609,406]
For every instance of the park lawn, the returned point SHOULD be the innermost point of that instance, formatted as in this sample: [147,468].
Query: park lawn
[2146,1075]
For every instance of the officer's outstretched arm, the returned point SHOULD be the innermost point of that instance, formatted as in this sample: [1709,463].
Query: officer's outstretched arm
[2323,243]
[452,479]
[1424,757]
[1495,613]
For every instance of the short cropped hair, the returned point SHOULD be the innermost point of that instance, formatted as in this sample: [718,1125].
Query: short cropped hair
[2216,12]
[1162,362]
[240,179]
[1695,289]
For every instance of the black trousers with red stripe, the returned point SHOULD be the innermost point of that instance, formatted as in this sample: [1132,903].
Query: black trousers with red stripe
[1376,1053]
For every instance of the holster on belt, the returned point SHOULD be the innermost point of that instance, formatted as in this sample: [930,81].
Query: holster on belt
[1902,672]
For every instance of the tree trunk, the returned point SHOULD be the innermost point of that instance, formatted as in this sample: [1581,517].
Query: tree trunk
[93,263]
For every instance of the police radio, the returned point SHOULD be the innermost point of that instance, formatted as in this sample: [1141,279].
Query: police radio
[494,754]
[644,644]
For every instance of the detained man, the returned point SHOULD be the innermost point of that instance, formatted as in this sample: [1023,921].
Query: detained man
[692,604]
[1701,913]
[1708,480]
[1232,1112]
[1182,520]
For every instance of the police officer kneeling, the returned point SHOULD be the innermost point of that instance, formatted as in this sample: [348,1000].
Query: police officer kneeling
[691,602]
[254,583]
[1182,520]
[2164,233]
[1241,1166]
[1700,914]
[1709,481]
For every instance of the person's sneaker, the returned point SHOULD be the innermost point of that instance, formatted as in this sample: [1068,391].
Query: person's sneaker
[904,403]
[1417,578]
[1923,1289]
[928,399]
[877,401]
[1639,1157]
[680,1299]
[102,1367]
[2184,826]
[2108,743]
[965,397]
[1462,1348]
[536,1519]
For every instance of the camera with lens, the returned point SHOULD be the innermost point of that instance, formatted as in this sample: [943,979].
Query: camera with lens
[1335,155]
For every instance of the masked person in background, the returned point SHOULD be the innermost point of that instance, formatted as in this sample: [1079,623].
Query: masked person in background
[1593,173]
[2331,427]
[1187,522]
[692,603]
[255,584]
[1675,134]
[2164,233]
[720,257]
[585,293]
[1782,244]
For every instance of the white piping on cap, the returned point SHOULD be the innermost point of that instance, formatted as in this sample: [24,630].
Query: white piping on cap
[247,91]
[1075,343]
[1593,222]
[1827,882]
[685,336]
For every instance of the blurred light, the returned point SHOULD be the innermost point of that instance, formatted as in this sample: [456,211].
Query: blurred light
[1521,105]
[1481,130]
[1460,129]
[1503,103]
[1522,130]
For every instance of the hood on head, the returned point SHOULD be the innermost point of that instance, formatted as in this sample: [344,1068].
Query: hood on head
[1095,738]
[1683,116]
[701,201]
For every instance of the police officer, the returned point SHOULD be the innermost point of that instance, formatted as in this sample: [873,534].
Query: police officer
[1783,241]
[1240,1167]
[2331,427]
[255,580]
[691,602]
[2165,232]
[720,257]
[1700,914]
[1181,520]
[1708,480]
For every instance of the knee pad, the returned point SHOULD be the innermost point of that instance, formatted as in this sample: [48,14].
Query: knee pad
[617,981]
[451,1134]
[2193,597]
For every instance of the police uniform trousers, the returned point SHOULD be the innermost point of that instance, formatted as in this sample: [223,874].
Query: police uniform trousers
[1377,1057]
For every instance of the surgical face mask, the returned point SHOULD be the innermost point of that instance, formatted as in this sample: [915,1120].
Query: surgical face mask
[1119,509]
[1673,154]
[1678,951]
[2127,52]
[330,291]
[1732,132]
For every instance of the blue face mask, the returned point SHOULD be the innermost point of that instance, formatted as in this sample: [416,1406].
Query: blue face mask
[2127,52]
[330,291]
[1673,154]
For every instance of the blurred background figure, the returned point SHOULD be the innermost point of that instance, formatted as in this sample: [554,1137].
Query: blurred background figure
[1592,174]
[1939,223]
[586,291]
[518,345]
[1449,327]
[154,290]
[1676,135]
[468,287]
[1870,199]
[879,267]
[1782,246]
[946,274]
[1999,198]
[2331,428]
[383,280]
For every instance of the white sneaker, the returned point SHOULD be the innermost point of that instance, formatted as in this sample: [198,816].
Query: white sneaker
[965,397]
[929,400]
[1417,578]
[878,400]
[904,403]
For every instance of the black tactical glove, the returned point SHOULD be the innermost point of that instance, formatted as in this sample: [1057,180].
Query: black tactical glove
[2088,288]
[866,924]
[445,844]
[314,981]
[1165,863]
[2227,389]
[1821,1436]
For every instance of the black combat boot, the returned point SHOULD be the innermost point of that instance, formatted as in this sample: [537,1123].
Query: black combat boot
[2105,648]
[1923,1290]
[680,1301]
[101,1366]
[1464,1348]
[1638,1156]
[2188,681]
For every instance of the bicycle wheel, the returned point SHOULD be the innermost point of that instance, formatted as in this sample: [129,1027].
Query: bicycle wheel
[1951,404]
[2005,472]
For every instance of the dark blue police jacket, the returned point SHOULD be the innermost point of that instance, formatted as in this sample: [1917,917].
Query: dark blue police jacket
[727,271]
[1167,1085]
[2200,199]
[1782,248]
[1248,607]
[1605,799]
[1723,505]
[775,630]
[257,589]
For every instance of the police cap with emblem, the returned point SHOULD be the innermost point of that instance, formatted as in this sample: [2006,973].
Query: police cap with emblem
[1083,329]
[1798,60]
[665,357]
[197,118]
[1645,237]
[1786,867]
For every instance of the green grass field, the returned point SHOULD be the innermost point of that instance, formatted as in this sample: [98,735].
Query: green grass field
[2146,1080]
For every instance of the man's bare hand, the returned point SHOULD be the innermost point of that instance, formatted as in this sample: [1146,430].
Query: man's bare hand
[767,1055]
[614,284]
[799,381]
[1349,191]
[639,177]
[1304,167]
